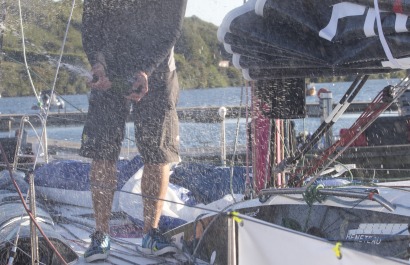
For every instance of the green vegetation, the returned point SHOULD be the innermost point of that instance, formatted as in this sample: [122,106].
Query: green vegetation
[198,55]
[392,75]
[198,52]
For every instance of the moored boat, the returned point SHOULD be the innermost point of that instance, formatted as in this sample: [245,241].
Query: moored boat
[48,101]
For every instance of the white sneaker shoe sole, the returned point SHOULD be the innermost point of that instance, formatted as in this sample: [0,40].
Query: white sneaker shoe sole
[165,250]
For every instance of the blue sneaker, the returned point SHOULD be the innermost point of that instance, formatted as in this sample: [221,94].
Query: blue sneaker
[99,248]
[154,243]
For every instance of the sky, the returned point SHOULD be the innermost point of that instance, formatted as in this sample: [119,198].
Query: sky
[211,10]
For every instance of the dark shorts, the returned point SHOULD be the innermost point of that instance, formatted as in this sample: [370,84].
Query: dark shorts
[156,120]
[104,128]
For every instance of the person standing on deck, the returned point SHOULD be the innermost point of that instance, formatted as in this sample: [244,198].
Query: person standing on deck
[129,44]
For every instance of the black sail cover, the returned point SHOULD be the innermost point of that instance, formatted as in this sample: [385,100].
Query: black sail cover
[309,38]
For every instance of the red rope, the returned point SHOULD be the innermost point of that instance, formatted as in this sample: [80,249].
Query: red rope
[27,209]
[373,110]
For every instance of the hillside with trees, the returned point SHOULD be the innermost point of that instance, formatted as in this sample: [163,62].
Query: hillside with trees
[198,51]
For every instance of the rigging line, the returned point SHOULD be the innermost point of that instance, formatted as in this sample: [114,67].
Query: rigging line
[164,200]
[343,104]
[336,113]
[385,102]
[40,145]
[333,167]
[218,212]
[174,202]
[36,134]
[32,218]
[248,183]
[196,221]
[61,56]
[235,146]
[15,244]
[282,138]
[32,70]
[290,142]
[55,78]
[365,120]
[382,169]
[347,168]
[286,140]
[268,155]
[44,82]
[195,207]
[156,198]
[222,212]
[24,52]
[285,146]
[20,249]
[244,217]
[401,188]
[62,49]
[253,131]
[69,103]
[359,201]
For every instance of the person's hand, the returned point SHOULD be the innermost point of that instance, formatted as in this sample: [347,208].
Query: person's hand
[100,81]
[139,87]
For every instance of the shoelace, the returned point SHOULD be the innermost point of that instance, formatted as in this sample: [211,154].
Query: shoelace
[97,238]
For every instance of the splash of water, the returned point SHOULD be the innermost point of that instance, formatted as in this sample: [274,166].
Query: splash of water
[78,70]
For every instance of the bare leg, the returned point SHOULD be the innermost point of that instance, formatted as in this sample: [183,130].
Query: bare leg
[154,184]
[103,178]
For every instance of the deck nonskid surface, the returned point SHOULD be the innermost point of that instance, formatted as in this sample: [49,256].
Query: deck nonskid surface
[75,224]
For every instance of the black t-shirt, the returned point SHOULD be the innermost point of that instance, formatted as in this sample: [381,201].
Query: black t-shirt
[132,35]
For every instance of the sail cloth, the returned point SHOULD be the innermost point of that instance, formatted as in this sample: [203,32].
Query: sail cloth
[191,184]
[305,38]
[257,245]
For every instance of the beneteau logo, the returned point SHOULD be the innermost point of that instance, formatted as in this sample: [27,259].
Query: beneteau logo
[376,233]
[369,239]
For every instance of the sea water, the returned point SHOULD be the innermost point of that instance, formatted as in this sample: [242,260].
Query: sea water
[201,134]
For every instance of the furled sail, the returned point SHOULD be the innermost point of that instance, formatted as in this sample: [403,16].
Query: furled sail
[304,38]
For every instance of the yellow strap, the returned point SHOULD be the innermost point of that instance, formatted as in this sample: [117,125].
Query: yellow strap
[235,217]
[337,250]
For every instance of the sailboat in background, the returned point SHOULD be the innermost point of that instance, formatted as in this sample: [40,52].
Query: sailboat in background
[48,100]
